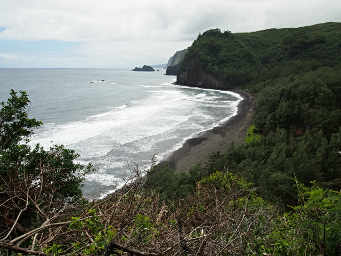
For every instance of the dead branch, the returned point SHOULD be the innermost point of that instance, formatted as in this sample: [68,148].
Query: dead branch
[19,249]
[41,228]
[17,219]
[112,247]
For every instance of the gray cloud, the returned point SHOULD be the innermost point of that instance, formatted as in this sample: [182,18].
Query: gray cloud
[125,33]
[302,13]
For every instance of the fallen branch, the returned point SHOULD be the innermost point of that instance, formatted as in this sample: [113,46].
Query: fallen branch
[34,231]
[19,249]
[114,246]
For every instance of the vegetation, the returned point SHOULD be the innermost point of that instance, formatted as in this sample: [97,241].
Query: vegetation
[276,194]
[203,212]
[298,135]
[295,75]
[36,185]
[243,58]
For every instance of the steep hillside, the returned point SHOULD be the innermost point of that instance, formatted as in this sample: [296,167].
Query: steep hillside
[295,75]
[226,60]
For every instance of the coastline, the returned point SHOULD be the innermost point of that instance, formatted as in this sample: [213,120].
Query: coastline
[197,150]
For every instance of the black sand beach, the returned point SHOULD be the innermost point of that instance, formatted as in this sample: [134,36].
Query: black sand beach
[197,150]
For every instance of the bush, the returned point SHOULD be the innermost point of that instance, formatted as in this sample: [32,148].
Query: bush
[313,228]
[36,184]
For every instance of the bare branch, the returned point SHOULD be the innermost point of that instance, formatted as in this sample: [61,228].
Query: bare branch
[17,219]
[115,246]
[19,249]
[41,228]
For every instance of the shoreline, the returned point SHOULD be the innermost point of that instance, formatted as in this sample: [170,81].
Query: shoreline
[197,150]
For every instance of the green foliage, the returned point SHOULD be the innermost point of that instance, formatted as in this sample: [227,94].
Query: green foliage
[229,182]
[171,184]
[251,136]
[309,101]
[14,121]
[90,226]
[143,229]
[297,133]
[240,58]
[313,228]
[226,180]
[225,206]
[54,250]
[296,77]
[34,181]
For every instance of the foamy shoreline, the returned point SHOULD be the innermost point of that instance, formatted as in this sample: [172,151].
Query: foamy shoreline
[197,150]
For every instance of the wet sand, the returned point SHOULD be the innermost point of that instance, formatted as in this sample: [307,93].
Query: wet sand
[197,150]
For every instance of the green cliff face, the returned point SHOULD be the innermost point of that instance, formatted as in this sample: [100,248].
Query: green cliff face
[242,58]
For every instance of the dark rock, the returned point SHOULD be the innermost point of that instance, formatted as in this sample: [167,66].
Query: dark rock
[173,70]
[144,68]
[195,76]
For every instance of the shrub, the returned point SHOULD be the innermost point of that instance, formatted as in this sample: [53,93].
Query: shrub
[36,184]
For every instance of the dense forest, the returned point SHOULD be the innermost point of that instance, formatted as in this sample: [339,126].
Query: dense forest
[278,193]
[295,75]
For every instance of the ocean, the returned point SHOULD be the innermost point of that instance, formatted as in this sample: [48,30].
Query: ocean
[116,118]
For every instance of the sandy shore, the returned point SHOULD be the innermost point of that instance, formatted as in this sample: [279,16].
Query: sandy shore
[197,150]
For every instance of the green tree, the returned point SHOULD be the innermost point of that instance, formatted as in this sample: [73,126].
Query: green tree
[35,184]
[14,121]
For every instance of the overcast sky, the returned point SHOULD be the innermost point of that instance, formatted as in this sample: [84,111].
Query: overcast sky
[122,34]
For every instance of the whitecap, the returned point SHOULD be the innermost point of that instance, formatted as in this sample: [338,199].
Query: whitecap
[140,128]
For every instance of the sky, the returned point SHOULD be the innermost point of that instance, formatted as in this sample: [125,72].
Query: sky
[123,34]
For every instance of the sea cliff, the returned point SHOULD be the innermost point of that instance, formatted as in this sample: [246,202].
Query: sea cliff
[221,59]
[174,62]
[194,75]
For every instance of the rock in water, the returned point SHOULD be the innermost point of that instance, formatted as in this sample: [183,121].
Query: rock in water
[144,68]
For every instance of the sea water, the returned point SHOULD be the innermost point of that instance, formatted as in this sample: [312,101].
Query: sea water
[116,118]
